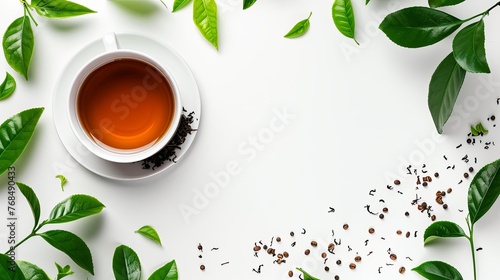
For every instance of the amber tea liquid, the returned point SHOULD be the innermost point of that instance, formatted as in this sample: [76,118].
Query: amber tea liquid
[126,104]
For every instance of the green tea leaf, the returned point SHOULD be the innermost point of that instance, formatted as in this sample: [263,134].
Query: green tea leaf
[248,3]
[437,270]
[150,233]
[18,45]
[367,1]
[480,129]
[205,18]
[343,17]
[63,271]
[166,272]
[126,264]
[7,87]
[179,4]
[442,3]
[63,180]
[468,48]
[307,276]
[59,8]
[442,229]
[73,208]
[31,271]
[15,134]
[444,89]
[71,245]
[417,27]
[300,28]
[9,270]
[484,190]
[32,199]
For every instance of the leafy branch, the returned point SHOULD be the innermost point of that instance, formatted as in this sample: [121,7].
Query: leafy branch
[19,41]
[483,192]
[71,209]
[416,27]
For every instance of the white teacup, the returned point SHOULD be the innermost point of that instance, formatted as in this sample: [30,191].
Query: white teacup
[124,106]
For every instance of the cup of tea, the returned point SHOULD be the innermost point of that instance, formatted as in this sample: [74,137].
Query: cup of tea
[124,106]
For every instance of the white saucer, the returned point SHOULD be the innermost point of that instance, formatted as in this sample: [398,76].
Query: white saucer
[186,82]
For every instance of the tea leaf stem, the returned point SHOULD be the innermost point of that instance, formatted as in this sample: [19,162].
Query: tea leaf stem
[471,242]
[27,10]
[483,14]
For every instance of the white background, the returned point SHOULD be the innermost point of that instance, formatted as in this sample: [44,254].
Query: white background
[359,115]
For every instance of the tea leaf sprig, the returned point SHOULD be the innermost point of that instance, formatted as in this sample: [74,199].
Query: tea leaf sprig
[483,192]
[70,209]
[417,27]
[19,41]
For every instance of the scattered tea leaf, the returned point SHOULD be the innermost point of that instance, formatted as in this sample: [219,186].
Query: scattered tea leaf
[15,134]
[71,245]
[59,8]
[442,3]
[205,18]
[478,130]
[437,270]
[166,272]
[484,190]
[8,270]
[32,199]
[73,208]
[179,4]
[7,87]
[248,3]
[300,28]
[18,45]
[343,17]
[307,276]
[63,271]
[468,48]
[442,229]
[444,89]
[126,264]
[63,180]
[149,232]
[417,27]
[31,271]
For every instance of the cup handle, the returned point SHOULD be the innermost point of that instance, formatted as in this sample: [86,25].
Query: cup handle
[110,42]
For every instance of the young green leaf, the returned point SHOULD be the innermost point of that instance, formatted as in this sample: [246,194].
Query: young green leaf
[437,270]
[73,208]
[9,270]
[179,4]
[367,1]
[126,264]
[166,272]
[300,28]
[32,199]
[15,134]
[63,271]
[442,229]
[417,27]
[150,233]
[248,3]
[307,276]
[18,45]
[343,17]
[71,245]
[484,190]
[442,3]
[59,8]
[473,131]
[468,48]
[31,271]
[7,87]
[63,180]
[480,129]
[444,89]
[205,18]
